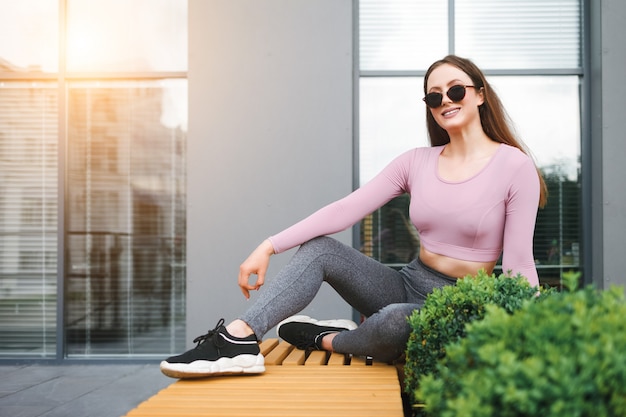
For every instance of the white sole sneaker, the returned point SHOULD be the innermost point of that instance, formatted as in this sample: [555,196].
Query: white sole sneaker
[241,364]
[342,323]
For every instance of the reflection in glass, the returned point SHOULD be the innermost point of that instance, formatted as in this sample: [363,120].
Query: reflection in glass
[545,111]
[127,35]
[126,218]
[388,234]
[391,120]
[521,34]
[29,32]
[28,225]
[402,35]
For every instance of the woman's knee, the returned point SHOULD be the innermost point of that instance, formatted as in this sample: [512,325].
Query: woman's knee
[383,335]
[320,245]
[325,251]
[392,322]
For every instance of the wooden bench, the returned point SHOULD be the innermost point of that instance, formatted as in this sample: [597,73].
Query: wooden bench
[294,384]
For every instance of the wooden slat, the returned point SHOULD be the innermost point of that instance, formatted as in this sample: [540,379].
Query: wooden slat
[321,388]
[283,391]
[295,357]
[316,358]
[267,346]
[278,354]
[337,359]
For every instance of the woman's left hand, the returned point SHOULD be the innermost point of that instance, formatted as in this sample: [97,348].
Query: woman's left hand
[257,263]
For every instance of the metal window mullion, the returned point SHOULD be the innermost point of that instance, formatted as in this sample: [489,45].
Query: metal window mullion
[451,27]
[591,150]
[504,72]
[392,73]
[35,76]
[171,243]
[356,139]
[124,76]
[89,76]
[357,74]
[61,184]
[130,276]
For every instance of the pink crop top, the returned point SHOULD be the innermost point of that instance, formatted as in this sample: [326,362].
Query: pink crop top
[477,219]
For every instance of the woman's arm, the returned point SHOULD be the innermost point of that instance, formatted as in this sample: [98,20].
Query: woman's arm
[343,213]
[335,217]
[519,227]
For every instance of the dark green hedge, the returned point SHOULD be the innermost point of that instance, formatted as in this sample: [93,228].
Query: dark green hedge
[565,356]
[445,313]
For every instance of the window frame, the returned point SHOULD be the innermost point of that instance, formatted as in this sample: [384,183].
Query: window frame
[63,78]
[581,72]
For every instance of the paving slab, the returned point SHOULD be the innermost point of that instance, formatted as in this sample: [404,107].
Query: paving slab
[95,390]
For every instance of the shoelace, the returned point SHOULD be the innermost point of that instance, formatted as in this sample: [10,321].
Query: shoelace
[218,342]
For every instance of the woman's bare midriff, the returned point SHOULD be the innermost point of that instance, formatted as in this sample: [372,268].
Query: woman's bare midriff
[453,267]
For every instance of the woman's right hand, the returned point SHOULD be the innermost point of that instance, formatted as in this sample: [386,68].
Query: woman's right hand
[256,263]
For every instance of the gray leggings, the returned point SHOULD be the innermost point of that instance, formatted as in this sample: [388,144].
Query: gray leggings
[385,296]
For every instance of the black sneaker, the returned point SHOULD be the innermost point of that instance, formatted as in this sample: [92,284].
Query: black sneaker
[306,333]
[217,353]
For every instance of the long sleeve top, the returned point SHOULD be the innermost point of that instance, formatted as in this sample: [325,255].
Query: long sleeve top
[477,219]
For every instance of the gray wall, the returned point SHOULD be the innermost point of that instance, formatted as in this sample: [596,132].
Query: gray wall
[608,142]
[270,138]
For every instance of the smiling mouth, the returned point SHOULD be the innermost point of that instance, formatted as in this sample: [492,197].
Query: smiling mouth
[450,112]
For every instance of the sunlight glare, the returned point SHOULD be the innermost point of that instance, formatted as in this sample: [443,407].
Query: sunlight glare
[86,46]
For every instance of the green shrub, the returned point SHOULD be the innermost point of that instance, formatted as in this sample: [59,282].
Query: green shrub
[565,356]
[445,313]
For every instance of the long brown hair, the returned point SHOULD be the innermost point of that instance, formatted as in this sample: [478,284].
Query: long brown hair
[493,117]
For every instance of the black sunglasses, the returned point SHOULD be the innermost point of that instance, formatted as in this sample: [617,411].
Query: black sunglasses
[456,93]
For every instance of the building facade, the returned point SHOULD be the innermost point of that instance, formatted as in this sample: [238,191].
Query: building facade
[123,224]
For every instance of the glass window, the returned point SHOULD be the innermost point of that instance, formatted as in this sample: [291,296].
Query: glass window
[392,120]
[515,36]
[519,34]
[126,219]
[546,112]
[29,36]
[402,34]
[122,35]
[116,149]
[28,225]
